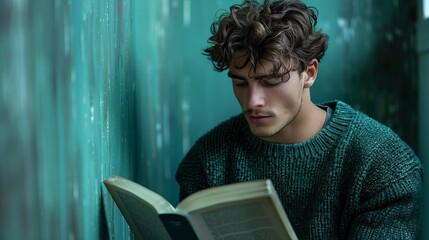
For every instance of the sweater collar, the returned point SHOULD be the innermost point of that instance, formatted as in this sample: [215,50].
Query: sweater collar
[322,142]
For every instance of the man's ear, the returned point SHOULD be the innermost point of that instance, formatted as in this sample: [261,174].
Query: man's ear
[311,72]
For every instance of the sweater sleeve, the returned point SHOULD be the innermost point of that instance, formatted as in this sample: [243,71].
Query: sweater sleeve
[190,174]
[390,189]
[204,165]
[393,213]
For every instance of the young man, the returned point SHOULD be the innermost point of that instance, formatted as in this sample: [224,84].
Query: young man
[338,173]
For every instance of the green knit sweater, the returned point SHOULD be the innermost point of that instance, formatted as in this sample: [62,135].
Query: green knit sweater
[355,180]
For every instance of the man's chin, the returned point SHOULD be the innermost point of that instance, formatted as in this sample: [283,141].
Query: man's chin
[261,133]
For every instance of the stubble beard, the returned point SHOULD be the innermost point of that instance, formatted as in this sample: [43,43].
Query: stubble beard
[268,135]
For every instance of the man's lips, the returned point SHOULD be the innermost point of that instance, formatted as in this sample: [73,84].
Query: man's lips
[258,118]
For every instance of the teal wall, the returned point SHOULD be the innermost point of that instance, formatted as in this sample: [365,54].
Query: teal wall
[94,88]
[68,115]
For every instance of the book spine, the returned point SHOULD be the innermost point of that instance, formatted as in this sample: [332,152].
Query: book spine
[178,226]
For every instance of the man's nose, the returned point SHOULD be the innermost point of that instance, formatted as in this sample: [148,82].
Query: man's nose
[256,96]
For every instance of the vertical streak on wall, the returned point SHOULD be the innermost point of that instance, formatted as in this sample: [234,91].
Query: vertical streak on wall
[14,174]
[149,35]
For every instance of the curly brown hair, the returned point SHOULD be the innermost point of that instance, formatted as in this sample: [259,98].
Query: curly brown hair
[269,31]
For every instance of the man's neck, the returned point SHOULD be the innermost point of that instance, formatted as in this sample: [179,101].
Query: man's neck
[305,126]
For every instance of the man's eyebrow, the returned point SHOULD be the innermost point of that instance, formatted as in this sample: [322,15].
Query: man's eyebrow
[274,75]
[263,76]
[233,75]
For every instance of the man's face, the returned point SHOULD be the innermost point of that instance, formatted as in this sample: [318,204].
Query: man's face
[270,104]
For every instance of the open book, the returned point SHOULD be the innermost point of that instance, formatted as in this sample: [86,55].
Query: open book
[247,210]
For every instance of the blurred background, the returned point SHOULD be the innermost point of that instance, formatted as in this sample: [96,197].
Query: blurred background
[90,89]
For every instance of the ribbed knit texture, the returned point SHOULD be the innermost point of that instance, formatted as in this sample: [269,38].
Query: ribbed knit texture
[355,180]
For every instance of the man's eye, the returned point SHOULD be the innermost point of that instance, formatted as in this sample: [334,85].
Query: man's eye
[239,83]
[272,81]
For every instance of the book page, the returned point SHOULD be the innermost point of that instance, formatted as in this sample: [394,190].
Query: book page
[226,193]
[242,210]
[117,183]
[247,220]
